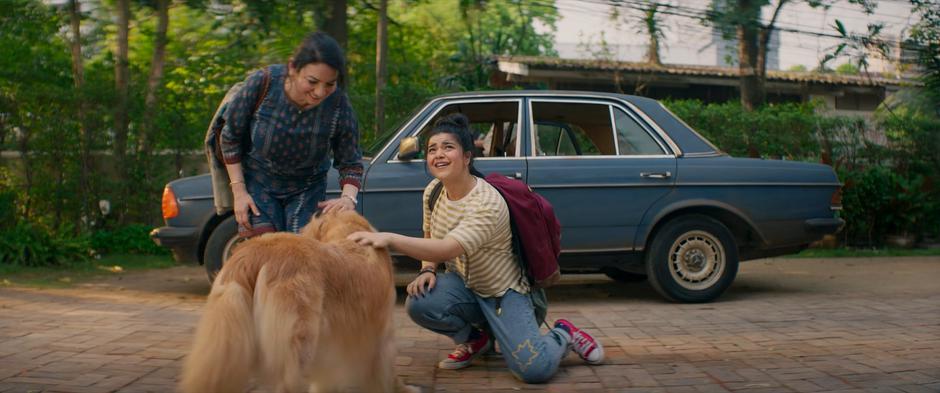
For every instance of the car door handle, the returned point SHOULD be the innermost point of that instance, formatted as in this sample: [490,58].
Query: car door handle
[514,175]
[656,175]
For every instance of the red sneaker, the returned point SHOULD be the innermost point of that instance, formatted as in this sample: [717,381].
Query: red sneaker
[582,343]
[465,353]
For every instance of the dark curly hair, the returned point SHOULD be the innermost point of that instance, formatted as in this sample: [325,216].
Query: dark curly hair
[319,47]
[457,125]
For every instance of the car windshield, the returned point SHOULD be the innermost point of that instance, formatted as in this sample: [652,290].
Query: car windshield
[370,149]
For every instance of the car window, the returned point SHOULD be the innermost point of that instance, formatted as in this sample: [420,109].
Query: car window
[632,139]
[494,126]
[572,129]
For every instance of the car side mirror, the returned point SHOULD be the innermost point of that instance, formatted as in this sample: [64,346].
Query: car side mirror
[408,149]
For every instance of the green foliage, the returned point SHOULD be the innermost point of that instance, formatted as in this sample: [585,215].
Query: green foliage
[888,189]
[25,244]
[437,47]
[434,47]
[850,252]
[925,37]
[781,131]
[847,69]
[879,201]
[130,239]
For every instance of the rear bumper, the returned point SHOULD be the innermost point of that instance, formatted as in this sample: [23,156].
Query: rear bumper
[819,227]
[182,241]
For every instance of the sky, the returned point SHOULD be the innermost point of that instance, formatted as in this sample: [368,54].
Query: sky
[688,42]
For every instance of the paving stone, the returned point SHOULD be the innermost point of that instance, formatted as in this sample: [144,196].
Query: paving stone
[856,339]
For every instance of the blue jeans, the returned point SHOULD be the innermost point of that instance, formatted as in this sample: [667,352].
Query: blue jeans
[281,211]
[452,309]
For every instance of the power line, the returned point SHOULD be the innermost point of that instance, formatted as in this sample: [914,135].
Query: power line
[703,16]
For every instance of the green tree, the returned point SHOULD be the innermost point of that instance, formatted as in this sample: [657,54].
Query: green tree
[925,39]
[741,19]
[73,103]
[847,69]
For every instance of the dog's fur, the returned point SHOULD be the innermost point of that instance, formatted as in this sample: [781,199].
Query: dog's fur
[308,312]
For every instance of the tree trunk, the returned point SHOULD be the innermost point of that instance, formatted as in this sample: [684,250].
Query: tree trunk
[752,90]
[652,28]
[122,88]
[84,141]
[151,102]
[764,41]
[381,49]
[752,87]
[523,30]
[336,24]
[23,145]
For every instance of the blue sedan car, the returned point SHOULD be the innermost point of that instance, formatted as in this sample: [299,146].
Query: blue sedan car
[637,191]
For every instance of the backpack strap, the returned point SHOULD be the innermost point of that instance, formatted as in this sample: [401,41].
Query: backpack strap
[435,194]
[265,84]
[264,89]
[536,294]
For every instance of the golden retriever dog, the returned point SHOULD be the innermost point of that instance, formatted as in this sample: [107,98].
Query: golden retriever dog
[308,312]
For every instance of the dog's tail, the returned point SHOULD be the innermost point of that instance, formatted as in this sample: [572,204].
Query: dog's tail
[223,353]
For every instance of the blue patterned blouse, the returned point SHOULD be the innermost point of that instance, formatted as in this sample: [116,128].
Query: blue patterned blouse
[290,148]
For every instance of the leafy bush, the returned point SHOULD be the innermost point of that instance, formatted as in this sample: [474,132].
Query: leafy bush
[130,239]
[879,201]
[24,244]
[774,131]
[890,188]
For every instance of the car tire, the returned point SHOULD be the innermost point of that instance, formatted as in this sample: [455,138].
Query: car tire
[692,259]
[219,246]
[622,276]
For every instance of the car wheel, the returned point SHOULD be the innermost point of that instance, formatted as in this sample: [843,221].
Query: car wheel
[622,276]
[219,246]
[693,259]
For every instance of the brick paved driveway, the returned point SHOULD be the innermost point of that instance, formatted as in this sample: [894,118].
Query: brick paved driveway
[846,325]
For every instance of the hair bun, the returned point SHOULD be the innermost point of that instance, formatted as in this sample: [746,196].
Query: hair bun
[458,120]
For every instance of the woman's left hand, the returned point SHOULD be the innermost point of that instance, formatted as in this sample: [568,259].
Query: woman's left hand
[338,205]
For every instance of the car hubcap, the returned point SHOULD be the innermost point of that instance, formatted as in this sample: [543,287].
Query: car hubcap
[696,260]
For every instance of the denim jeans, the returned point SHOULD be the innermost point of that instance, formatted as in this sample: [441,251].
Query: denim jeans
[281,211]
[452,309]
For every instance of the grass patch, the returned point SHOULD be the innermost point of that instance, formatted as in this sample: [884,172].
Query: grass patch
[65,276]
[866,253]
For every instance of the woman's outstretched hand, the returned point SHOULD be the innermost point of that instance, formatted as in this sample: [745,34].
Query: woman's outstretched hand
[337,205]
[371,239]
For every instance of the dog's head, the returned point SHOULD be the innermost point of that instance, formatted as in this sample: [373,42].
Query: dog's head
[333,227]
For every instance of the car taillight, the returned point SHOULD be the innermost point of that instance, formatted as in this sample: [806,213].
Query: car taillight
[836,202]
[170,207]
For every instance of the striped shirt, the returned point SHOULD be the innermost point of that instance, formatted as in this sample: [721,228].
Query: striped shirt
[480,223]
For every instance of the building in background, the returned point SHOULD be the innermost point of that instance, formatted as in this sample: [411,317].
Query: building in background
[599,52]
[844,94]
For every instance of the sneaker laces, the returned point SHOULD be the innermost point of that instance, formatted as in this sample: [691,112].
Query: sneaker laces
[583,345]
[461,351]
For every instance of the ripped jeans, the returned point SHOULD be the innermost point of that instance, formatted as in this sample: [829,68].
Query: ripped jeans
[452,309]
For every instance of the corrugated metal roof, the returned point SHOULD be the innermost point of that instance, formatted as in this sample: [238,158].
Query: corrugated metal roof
[551,63]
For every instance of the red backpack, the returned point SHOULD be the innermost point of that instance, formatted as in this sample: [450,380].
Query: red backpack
[536,232]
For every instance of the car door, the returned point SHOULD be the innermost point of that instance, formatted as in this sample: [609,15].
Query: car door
[600,166]
[393,188]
